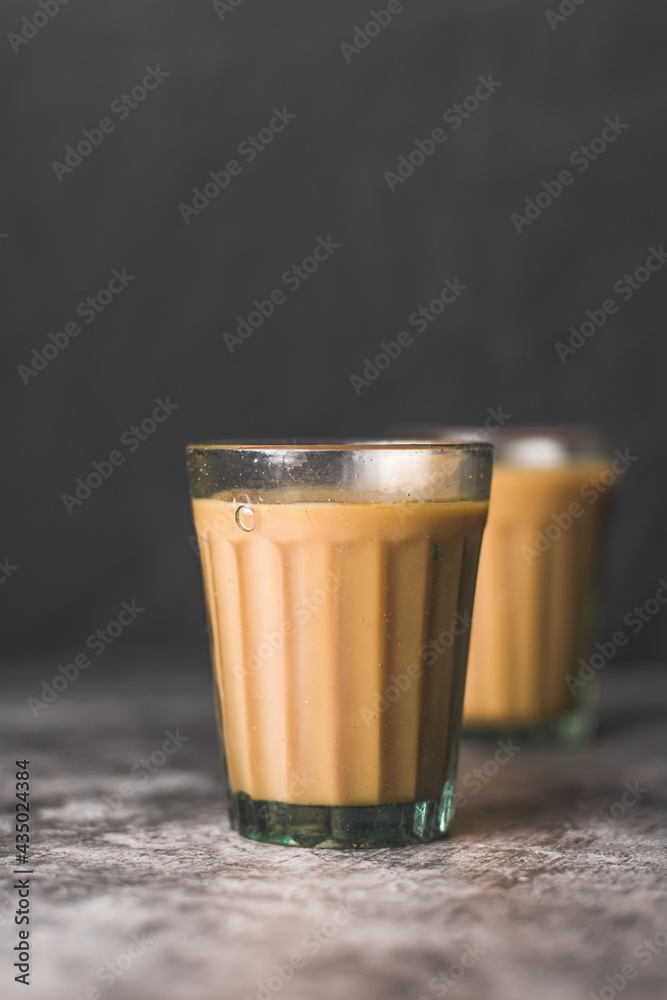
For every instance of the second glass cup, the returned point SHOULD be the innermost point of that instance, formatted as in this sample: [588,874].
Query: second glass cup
[537,602]
[339,583]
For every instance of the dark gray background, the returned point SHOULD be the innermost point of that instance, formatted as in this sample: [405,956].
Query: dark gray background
[323,175]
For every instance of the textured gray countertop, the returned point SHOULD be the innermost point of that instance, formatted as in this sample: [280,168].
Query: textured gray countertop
[553,879]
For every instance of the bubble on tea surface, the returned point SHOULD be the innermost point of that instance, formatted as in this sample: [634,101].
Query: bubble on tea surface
[246,517]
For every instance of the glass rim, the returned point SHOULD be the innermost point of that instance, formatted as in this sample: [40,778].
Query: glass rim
[280,446]
[371,471]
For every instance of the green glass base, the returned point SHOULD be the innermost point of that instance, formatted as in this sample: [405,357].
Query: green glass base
[338,827]
[571,729]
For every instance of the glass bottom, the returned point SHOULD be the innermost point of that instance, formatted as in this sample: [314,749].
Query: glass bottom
[338,827]
[573,728]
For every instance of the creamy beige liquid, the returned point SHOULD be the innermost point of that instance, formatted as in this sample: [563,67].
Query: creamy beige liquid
[534,611]
[320,620]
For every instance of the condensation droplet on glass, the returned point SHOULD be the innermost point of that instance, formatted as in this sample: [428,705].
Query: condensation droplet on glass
[246,517]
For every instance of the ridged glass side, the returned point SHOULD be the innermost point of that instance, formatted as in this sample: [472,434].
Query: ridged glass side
[339,657]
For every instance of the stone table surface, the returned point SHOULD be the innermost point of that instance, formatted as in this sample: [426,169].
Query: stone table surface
[553,879]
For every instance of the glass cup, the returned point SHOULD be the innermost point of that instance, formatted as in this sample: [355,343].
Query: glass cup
[339,601]
[537,599]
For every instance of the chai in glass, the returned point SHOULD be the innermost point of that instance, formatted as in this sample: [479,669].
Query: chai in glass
[339,613]
[538,590]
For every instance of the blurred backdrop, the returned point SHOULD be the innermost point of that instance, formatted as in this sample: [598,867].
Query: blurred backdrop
[215,214]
